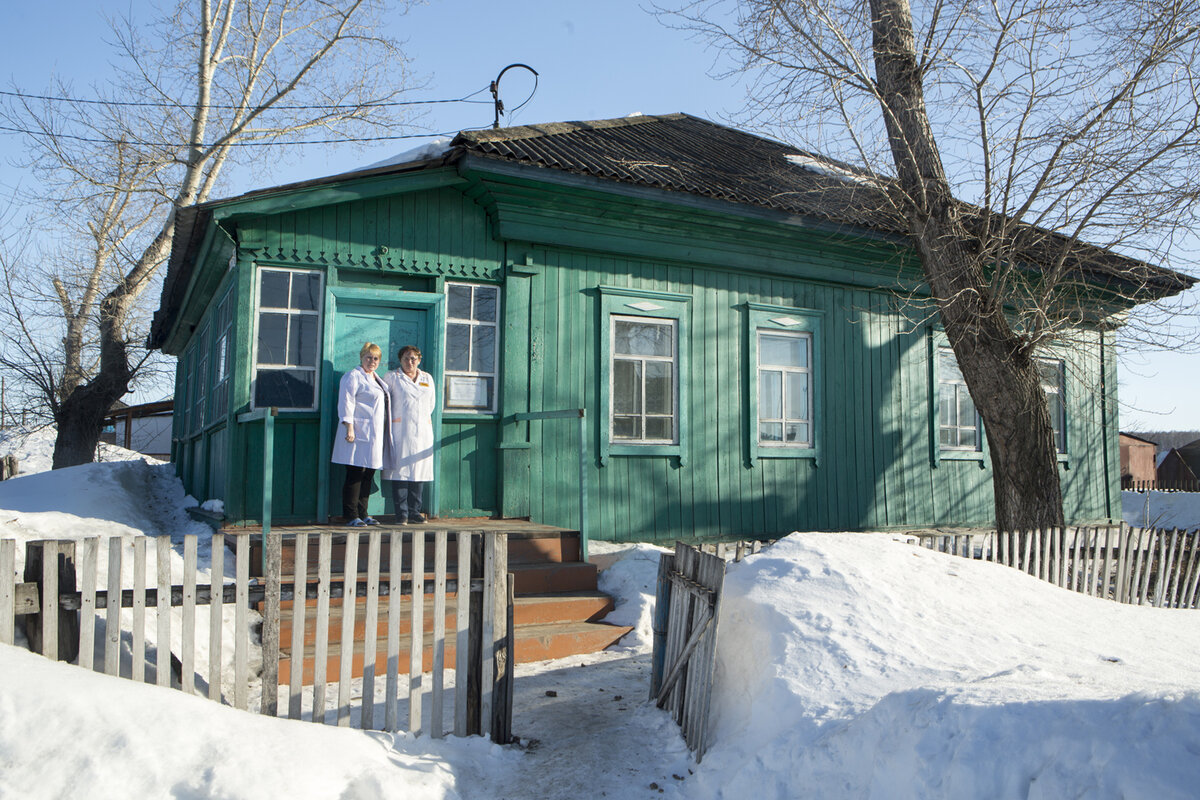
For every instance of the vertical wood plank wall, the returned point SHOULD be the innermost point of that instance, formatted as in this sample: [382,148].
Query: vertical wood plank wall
[876,467]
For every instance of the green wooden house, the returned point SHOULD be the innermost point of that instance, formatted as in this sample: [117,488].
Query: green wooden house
[739,320]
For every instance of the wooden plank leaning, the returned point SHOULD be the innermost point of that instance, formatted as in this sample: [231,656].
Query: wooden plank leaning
[1193,571]
[497,725]
[1147,565]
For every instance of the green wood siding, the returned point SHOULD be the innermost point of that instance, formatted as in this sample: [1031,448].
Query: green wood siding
[876,465]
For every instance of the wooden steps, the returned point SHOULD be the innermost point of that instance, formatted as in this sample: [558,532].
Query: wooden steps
[556,613]
[533,643]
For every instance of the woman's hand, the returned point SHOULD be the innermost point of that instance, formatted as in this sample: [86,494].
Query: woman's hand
[349,432]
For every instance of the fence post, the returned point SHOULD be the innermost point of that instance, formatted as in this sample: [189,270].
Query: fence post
[53,631]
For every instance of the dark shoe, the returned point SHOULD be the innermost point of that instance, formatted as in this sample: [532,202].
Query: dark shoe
[417,518]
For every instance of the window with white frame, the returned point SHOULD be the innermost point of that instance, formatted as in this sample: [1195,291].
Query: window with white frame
[222,353]
[784,389]
[472,341]
[287,339]
[958,421]
[644,380]
[1050,374]
[202,382]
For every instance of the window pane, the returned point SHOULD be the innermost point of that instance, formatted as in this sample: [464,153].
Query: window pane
[797,395]
[302,342]
[770,432]
[485,303]
[458,302]
[627,428]
[968,437]
[782,351]
[1048,373]
[643,338]
[659,428]
[483,348]
[272,338]
[304,291]
[797,433]
[659,390]
[948,437]
[273,292]
[458,347]
[966,409]
[286,388]
[627,387]
[948,370]
[770,394]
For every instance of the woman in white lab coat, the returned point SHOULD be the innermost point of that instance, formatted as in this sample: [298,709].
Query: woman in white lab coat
[411,466]
[364,437]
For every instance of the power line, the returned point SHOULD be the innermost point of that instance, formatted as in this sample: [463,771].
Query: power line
[218,106]
[204,145]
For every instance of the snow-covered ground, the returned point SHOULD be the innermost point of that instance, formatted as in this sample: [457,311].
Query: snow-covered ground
[849,665]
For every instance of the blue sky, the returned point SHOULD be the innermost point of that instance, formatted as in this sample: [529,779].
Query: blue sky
[595,59]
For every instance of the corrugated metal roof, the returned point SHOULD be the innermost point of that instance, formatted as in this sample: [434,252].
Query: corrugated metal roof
[679,152]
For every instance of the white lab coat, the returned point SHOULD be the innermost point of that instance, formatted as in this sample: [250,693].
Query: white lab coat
[363,401]
[412,426]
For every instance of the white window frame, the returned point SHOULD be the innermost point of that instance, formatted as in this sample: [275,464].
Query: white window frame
[318,314]
[960,386]
[790,321]
[1057,421]
[449,375]
[673,360]
[807,338]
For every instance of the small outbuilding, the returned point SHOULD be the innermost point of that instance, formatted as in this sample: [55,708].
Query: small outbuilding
[1137,459]
[739,320]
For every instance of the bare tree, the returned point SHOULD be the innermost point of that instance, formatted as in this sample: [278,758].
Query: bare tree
[1021,146]
[210,84]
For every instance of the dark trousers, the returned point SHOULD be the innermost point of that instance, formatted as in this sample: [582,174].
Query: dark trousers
[406,497]
[356,491]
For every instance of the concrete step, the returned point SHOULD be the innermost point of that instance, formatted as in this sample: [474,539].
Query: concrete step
[527,610]
[533,643]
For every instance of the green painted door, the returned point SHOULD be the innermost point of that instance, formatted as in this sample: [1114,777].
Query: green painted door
[389,327]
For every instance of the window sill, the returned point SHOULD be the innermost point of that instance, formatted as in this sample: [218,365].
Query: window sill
[469,416]
[769,451]
[656,450]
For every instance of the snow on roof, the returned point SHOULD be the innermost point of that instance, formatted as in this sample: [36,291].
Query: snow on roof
[828,168]
[423,152]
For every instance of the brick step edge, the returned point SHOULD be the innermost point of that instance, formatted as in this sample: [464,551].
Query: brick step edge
[533,643]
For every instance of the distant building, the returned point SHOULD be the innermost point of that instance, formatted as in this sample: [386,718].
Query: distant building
[1137,459]
[145,428]
[1179,466]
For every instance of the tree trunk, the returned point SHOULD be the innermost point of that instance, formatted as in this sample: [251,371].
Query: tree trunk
[1000,372]
[81,414]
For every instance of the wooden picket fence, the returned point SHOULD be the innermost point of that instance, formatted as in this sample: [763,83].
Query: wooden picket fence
[60,621]
[1140,566]
[687,604]
[1161,486]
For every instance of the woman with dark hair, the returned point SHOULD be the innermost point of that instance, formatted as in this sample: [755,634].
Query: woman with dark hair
[364,436]
[411,465]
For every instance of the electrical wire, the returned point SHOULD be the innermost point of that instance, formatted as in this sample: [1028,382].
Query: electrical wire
[217,106]
[205,145]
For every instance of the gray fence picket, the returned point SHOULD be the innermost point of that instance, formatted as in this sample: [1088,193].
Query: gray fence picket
[436,701]
[187,650]
[241,634]
[162,660]
[462,641]
[112,617]
[370,632]
[392,682]
[321,645]
[138,637]
[8,590]
[87,600]
[216,615]
[299,612]
[346,646]
[417,637]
